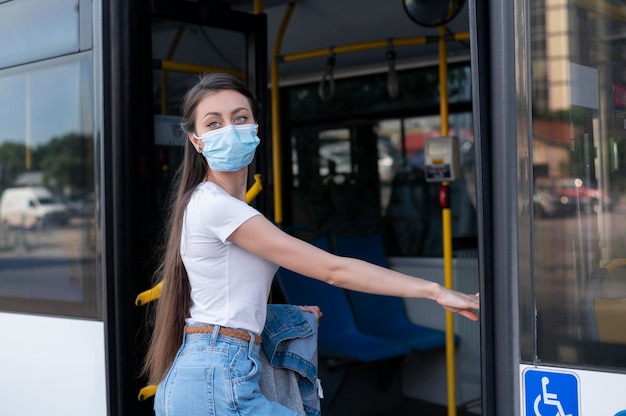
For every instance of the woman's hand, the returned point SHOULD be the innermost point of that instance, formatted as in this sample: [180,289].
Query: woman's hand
[313,309]
[461,303]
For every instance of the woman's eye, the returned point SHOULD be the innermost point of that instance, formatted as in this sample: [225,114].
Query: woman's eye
[214,125]
[241,119]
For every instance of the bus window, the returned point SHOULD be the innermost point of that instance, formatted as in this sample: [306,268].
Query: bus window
[336,176]
[337,186]
[351,162]
[48,248]
[578,137]
[412,216]
[49,28]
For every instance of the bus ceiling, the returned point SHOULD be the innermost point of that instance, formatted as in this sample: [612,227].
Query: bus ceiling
[316,28]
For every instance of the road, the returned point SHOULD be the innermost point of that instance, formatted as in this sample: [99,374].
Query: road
[51,264]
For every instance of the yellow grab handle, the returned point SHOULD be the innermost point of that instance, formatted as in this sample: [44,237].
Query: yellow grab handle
[147,392]
[255,189]
[149,295]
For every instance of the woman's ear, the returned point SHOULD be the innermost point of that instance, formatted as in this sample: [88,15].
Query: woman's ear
[196,142]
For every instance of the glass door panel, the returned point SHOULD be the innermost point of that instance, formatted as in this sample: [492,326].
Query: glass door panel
[578,185]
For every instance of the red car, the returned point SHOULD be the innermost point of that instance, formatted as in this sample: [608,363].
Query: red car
[562,196]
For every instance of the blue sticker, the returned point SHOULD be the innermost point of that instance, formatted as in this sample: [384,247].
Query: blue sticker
[550,393]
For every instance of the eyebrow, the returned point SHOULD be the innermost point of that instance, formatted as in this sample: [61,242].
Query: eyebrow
[217,113]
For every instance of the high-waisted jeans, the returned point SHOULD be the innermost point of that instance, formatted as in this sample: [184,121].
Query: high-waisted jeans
[215,375]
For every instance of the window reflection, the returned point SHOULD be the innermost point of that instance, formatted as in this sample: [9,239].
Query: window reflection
[579,159]
[32,29]
[47,244]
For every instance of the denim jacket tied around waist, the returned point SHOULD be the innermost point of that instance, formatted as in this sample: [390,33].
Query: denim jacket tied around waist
[290,341]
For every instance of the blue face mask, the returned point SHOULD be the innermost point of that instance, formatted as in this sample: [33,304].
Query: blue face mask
[230,148]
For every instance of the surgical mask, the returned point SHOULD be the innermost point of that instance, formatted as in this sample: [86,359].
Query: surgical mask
[231,147]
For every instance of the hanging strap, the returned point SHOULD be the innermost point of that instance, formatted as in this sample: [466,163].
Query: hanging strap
[392,75]
[328,78]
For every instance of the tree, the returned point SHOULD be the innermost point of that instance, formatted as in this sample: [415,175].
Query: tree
[67,162]
[12,162]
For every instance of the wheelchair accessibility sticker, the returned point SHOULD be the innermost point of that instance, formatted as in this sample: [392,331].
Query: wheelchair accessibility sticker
[549,393]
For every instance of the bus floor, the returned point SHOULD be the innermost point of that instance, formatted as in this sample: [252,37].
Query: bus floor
[374,389]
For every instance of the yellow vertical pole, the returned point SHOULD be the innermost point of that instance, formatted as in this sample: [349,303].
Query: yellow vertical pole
[276,153]
[258,6]
[447,261]
[444,199]
[443,81]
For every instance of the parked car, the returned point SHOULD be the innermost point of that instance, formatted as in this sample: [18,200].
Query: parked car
[591,198]
[547,202]
[32,207]
[568,196]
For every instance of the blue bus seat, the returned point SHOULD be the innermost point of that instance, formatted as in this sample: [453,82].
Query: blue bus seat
[384,316]
[338,336]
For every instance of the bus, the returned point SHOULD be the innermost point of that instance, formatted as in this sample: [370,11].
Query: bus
[532,91]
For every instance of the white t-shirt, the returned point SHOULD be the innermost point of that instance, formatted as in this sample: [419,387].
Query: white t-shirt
[229,285]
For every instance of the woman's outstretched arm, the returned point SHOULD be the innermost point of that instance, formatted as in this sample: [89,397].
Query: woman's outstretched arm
[261,237]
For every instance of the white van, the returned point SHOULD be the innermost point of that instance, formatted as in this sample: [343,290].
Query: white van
[30,207]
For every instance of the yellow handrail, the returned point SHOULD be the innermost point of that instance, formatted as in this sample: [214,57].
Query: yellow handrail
[175,66]
[446,214]
[355,47]
[276,153]
[318,53]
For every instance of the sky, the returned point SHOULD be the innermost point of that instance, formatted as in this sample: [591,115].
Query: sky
[43,103]
[42,99]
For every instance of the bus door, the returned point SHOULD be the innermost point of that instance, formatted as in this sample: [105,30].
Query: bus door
[164,47]
[354,176]
[551,116]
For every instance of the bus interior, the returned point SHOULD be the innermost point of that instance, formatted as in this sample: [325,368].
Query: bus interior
[351,92]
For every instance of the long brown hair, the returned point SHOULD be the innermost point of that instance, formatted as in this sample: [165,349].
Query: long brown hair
[175,300]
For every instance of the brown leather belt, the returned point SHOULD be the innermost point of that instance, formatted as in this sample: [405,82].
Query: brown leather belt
[229,332]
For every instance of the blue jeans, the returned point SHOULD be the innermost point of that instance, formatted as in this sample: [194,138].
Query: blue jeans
[215,375]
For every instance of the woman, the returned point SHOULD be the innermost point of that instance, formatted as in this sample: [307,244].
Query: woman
[220,260]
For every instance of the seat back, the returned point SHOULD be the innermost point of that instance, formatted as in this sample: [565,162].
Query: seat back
[338,335]
[370,309]
[302,290]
